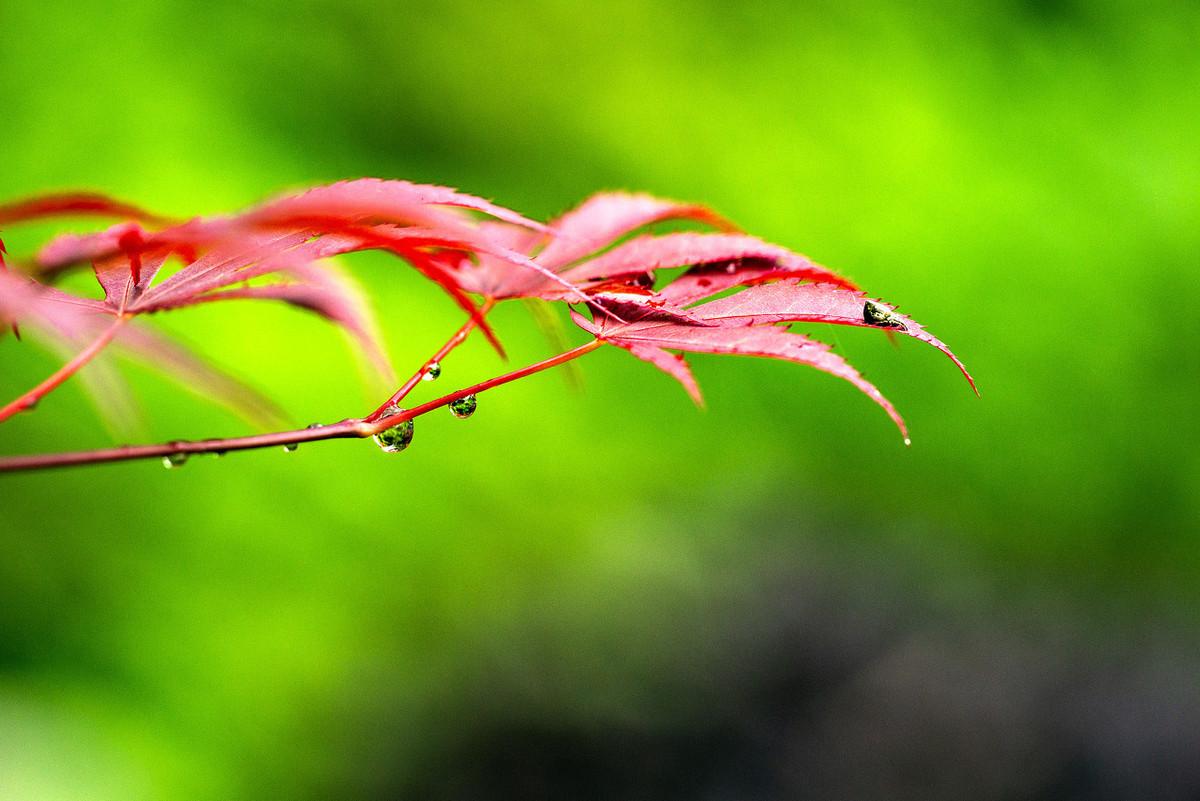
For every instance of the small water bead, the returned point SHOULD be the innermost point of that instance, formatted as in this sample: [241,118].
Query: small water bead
[432,371]
[173,460]
[463,407]
[396,438]
[879,315]
[292,447]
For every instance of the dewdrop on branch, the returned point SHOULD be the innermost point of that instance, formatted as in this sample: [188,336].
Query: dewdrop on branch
[173,460]
[463,407]
[396,438]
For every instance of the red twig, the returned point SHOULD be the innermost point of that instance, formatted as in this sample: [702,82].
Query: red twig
[353,428]
[408,414]
[30,398]
[453,342]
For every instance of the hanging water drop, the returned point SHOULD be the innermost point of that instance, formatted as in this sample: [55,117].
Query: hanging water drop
[879,315]
[173,460]
[463,407]
[396,438]
[291,447]
[432,371]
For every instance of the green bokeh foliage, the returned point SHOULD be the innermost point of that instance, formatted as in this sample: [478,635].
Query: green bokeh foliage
[1020,176]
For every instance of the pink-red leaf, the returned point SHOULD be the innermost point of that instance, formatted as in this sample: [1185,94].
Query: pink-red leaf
[232,262]
[21,298]
[365,208]
[648,253]
[634,304]
[380,201]
[324,290]
[764,341]
[125,276]
[791,301]
[252,255]
[68,250]
[670,363]
[596,224]
[70,322]
[16,329]
[75,204]
[604,218]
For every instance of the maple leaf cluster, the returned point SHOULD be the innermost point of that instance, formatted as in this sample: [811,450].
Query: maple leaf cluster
[732,293]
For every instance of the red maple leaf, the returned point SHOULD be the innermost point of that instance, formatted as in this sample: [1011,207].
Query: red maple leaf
[281,239]
[734,294]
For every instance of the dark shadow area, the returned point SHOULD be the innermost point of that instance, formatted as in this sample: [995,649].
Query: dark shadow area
[836,686]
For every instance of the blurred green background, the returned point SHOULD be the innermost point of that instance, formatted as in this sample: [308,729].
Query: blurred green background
[607,593]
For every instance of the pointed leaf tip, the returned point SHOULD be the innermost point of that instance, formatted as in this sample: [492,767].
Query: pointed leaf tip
[649,338]
[790,301]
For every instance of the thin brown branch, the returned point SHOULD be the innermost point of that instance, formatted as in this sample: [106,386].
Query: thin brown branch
[346,429]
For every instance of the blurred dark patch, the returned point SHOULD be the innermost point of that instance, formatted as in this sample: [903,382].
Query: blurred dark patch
[1061,12]
[831,686]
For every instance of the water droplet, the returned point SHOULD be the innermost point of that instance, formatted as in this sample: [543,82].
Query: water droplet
[907,442]
[311,426]
[432,371]
[463,407]
[879,315]
[219,454]
[291,447]
[173,460]
[396,438]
